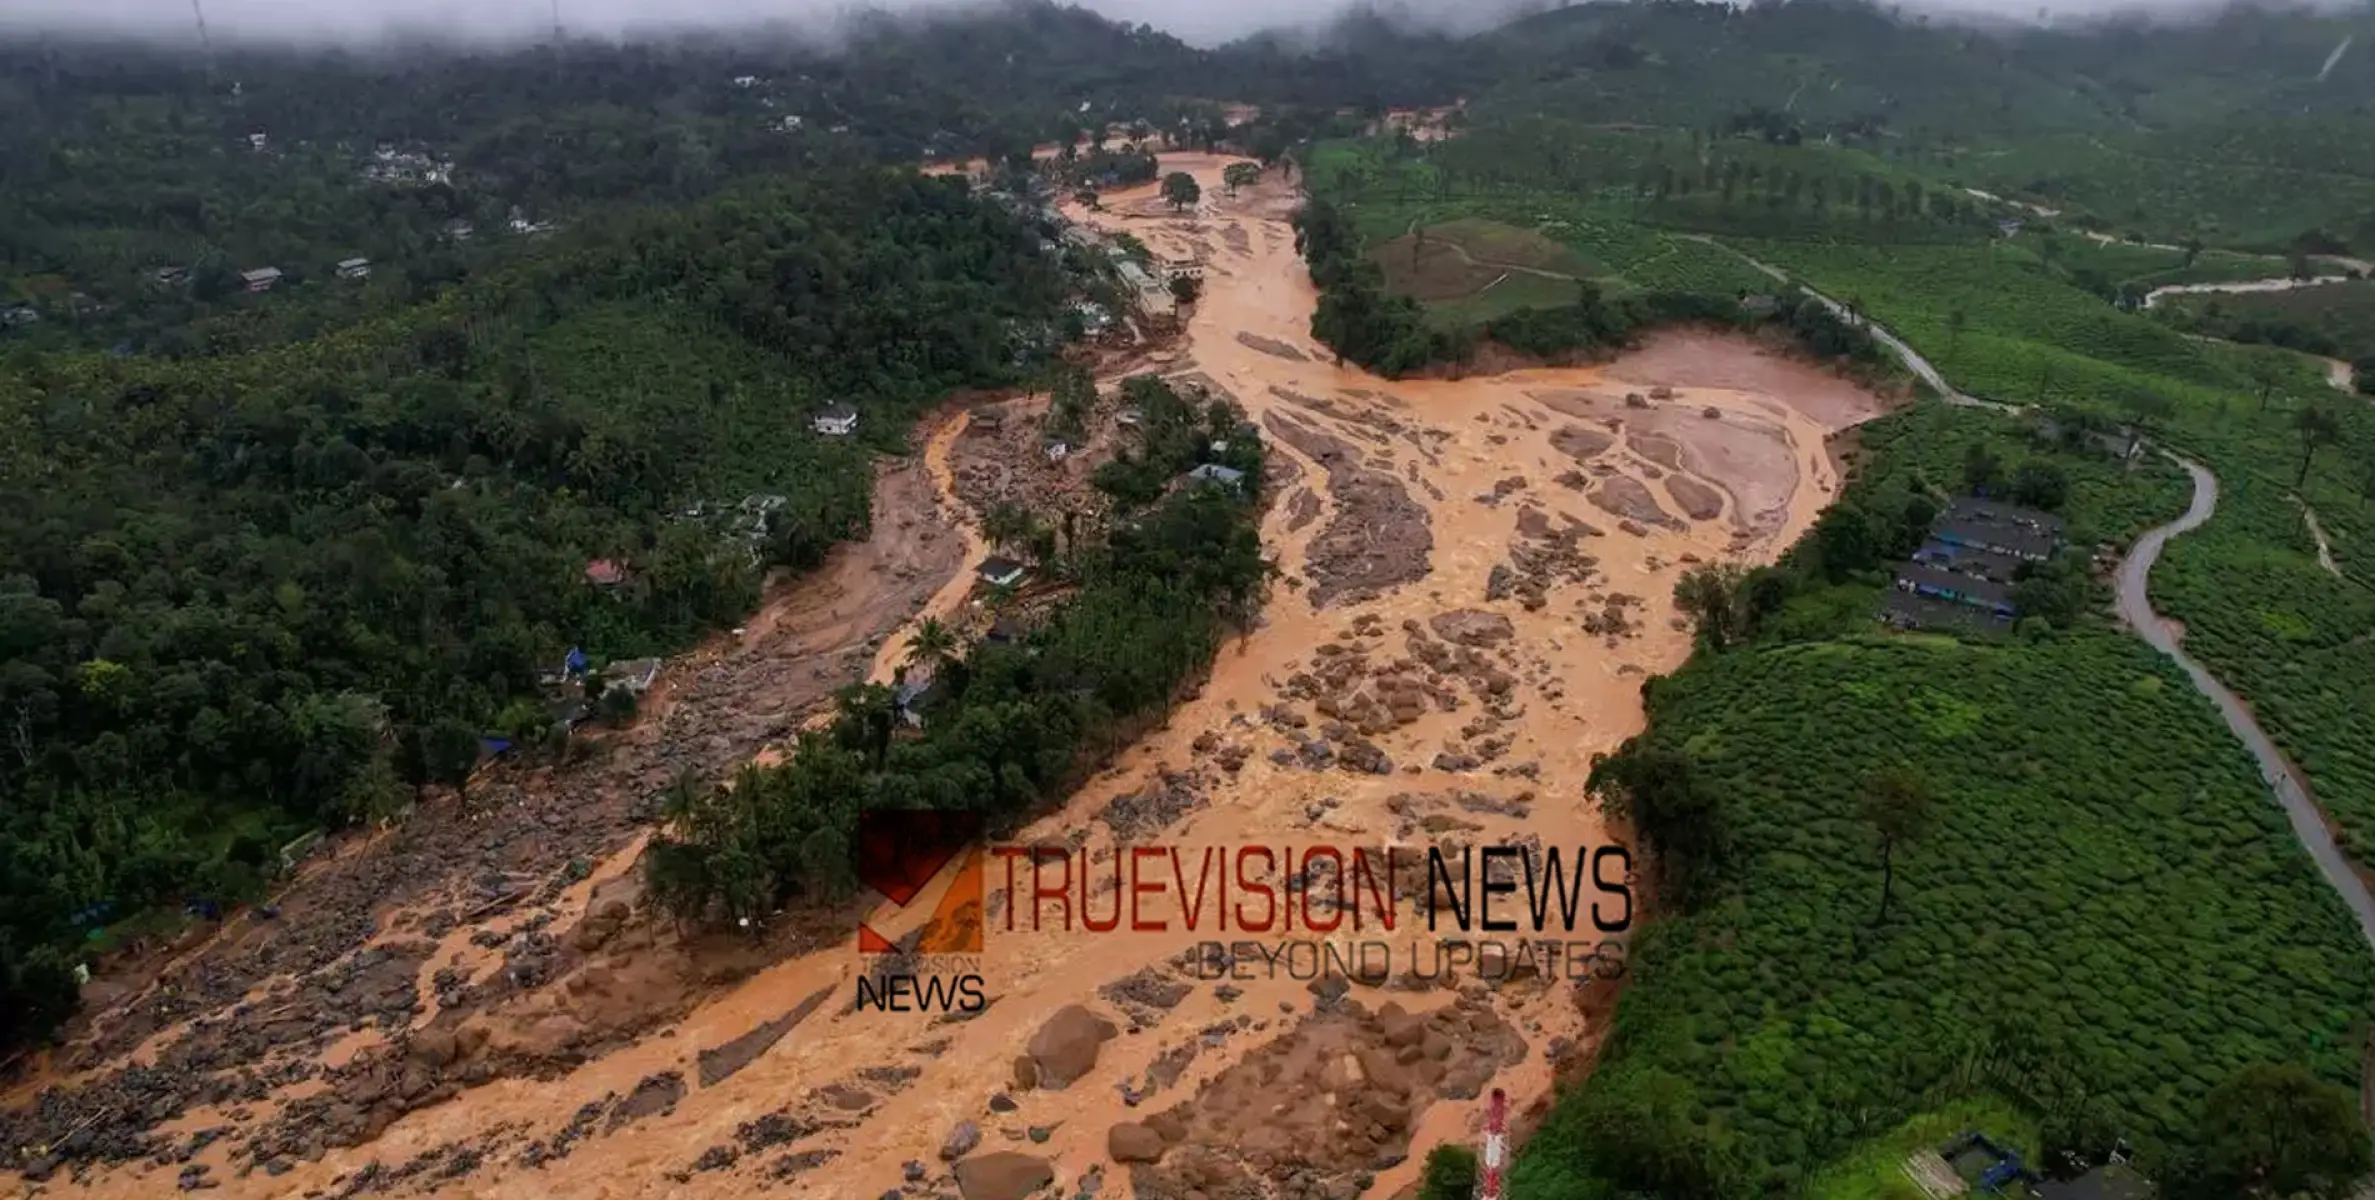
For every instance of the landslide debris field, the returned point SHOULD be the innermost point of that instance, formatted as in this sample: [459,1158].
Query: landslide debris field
[1475,578]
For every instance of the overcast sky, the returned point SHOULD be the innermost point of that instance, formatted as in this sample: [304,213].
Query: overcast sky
[1205,22]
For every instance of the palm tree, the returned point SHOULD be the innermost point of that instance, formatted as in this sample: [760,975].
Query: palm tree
[1008,524]
[1896,804]
[2318,427]
[933,645]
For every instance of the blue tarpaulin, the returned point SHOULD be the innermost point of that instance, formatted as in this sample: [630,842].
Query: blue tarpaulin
[494,745]
[576,662]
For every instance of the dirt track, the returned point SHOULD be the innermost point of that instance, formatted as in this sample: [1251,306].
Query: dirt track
[1465,617]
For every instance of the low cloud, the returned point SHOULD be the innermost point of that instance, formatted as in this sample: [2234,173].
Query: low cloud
[363,22]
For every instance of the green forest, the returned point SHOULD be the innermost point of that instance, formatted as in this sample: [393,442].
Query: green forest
[256,594]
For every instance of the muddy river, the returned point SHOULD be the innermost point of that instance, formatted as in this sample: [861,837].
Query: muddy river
[1476,577]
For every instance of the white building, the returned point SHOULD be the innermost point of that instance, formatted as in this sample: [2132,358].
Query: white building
[840,420]
[261,279]
[354,268]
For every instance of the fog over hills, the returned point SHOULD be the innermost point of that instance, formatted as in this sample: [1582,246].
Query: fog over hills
[1201,22]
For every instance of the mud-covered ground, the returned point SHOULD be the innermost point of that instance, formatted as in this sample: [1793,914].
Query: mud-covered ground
[1474,578]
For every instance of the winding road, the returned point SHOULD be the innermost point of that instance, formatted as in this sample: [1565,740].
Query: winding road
[2135,607]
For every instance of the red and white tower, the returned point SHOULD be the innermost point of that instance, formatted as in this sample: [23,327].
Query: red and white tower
[1496,1145]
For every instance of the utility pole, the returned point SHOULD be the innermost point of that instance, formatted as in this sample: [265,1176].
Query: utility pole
[1496,1149]
[204,42]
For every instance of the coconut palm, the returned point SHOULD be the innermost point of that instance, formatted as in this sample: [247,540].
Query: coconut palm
[934,644]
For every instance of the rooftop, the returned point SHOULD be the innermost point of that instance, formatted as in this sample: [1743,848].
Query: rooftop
[2113,1181]
[1973,508]
[1984,591]
[1000,568]
[1217,473]
[1970,560]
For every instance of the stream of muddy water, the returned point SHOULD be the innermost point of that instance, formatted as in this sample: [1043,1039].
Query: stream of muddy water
[1475,579]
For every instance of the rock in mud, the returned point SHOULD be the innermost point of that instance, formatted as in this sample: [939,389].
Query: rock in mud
[1578,442]
[433,1048]
[1630,498]
[655,1093]
[1066,1047]
[1270,346]
[719,1064]
[1131,1142]
[960,1141]
[1472,627]
[1699,501]
[1006,1175]
[1148,987]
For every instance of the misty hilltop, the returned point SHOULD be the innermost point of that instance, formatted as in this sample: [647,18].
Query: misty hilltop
[364,23]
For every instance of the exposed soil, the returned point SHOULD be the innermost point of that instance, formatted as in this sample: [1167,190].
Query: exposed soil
[1468,640]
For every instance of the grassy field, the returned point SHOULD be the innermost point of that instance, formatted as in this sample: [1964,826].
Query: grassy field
[2107,918]
[1604,230]
[1469,270]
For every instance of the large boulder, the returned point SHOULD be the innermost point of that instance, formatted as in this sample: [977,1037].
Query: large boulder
[1065,1048]
[1005,1175]
[1130,1142]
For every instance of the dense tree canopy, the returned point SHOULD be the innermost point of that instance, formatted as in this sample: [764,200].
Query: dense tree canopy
[250,594]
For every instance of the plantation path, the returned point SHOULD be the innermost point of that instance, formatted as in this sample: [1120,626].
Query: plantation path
[2284,779]
[2239,287]
[1912,358]
[1461,250]
[2325,549]
[1476,578]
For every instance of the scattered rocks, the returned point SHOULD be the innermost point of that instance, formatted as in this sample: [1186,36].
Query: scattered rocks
[1147,988]
[1378,536]
[1134,815]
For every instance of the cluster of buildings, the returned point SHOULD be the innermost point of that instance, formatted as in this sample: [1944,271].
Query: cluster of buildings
[392,166]
[565,689]
[1964,571]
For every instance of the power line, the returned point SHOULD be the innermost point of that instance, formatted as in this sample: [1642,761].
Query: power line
[206,43]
